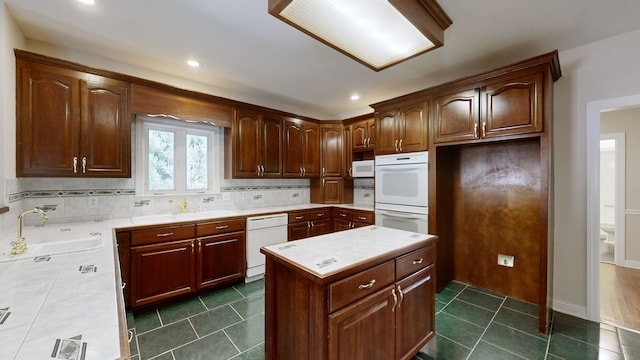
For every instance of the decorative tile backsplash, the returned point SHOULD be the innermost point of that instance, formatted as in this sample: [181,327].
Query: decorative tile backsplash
[66,200]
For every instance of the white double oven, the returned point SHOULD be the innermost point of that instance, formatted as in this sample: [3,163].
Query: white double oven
[401,191]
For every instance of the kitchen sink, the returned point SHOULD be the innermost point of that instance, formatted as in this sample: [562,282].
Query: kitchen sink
[55,247]
[189,216]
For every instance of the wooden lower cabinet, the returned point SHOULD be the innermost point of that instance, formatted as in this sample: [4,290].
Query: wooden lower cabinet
[161,271]
[304,224]
[160,263]
[379,311]
[218,260]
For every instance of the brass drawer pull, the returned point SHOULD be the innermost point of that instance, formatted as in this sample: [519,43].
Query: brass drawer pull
[320,214]
[222,227]
[368,285]
[164,234]
[419,261]
[362,218]
[299,217]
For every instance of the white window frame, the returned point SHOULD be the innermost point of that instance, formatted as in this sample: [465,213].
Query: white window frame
[180,128]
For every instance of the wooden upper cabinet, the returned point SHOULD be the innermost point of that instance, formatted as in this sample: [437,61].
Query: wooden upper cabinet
[506,105]
[257,144]
[456,116]
[332,150]
[105,124]
[412,128]
[510,105]
[363,135]
[70,123]
[301,148]
[387,131]
[402,129]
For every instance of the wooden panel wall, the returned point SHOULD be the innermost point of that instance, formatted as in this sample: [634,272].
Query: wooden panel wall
[496,209]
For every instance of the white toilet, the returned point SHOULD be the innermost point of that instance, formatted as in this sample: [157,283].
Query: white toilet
[610,229]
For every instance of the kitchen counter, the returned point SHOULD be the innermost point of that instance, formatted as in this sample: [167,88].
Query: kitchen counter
[326,255]
[70,304]
[364,293]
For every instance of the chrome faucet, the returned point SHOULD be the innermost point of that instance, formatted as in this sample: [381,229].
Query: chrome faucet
[182,204]
[19,247]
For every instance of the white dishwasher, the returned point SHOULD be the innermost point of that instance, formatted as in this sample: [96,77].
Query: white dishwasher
[263,231]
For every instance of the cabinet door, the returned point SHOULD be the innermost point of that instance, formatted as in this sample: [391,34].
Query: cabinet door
[221,258]
[386,132]
[297,231]
[414,313]
[352,329]
[348,153]
[48,121]
[246,143]
[341,224]
[333,189]
[293,149]
[371,133]
[271,147]
[321,227]
[412,129]
[311,150]
[359,136]
[456,117]
[510,106]
[332,151]
[105,131]
[162,271]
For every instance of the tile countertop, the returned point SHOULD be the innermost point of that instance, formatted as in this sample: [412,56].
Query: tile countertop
[69,305]
[325,255]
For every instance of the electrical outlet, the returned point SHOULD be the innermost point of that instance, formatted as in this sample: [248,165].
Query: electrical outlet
[93,202]
[505,260]
[226,196]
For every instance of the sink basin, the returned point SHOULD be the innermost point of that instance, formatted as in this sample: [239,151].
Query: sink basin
[165,218]
[55,247]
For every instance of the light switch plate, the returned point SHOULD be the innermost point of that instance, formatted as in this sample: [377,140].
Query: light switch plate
[505,260]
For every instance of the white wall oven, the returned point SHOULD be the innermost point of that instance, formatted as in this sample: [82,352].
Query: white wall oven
[401,190]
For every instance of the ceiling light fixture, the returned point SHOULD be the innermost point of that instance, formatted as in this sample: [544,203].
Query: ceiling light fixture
[193,63]
[355,97]
[87,2]
[376,33]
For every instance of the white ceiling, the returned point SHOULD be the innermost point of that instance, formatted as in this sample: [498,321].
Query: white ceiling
[247,52]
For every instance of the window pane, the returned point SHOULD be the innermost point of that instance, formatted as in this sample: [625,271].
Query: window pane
[161,153]
[197,162]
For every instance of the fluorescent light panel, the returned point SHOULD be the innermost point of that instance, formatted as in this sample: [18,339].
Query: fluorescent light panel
[372,31]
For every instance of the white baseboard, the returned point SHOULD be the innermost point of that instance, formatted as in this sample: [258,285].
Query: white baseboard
[631,264]
[570,309]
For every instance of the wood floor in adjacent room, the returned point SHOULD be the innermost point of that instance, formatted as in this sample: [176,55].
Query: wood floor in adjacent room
[620,295]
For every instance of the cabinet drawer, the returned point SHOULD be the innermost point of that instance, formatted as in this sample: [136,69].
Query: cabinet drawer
[363,216]
[355,287]
[342,214]
[163,234]
[299,217]
[414,261]
[320,214]
[220,227]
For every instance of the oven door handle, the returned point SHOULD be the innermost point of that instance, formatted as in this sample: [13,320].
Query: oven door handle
[400,214]
[401,168]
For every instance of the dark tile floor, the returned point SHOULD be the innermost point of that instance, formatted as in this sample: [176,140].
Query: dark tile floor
[471,323]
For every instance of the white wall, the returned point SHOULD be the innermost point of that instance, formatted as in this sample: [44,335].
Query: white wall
[602,70]
[10,38]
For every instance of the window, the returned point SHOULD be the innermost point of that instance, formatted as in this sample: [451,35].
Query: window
[177,157]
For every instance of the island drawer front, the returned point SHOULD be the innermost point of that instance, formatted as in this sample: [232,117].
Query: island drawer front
[414,261]
[298,217]
[163,234]
[220,227]
[342,214]
[346,291]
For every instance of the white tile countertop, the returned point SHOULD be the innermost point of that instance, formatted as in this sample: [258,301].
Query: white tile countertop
[328,254]
[69,305]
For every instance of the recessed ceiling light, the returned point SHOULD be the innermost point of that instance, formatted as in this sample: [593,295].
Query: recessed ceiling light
[355,97]
[88,2]
[193,63]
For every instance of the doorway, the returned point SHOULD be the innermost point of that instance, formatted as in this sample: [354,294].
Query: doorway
[608,209]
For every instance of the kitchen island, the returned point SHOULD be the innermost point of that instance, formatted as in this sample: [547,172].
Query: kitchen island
[366,293]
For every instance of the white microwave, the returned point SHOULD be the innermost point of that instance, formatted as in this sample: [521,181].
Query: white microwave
[363,168]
